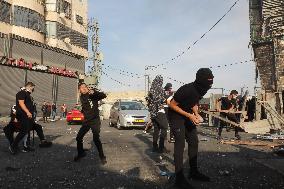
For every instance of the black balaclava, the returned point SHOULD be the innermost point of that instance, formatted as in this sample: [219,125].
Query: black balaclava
[201,83]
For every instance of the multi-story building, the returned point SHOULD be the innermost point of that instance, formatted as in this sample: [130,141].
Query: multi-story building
[267,38]
[43,41]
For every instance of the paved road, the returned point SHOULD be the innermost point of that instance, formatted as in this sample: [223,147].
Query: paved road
[131,164]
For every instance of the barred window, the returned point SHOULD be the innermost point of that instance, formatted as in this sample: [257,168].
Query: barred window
[28,18]
[5,12]
[79,19]
[64,7]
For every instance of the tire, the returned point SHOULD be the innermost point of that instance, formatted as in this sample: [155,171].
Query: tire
[118,125]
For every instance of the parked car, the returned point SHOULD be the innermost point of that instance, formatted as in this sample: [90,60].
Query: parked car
[128,113]
[75,115]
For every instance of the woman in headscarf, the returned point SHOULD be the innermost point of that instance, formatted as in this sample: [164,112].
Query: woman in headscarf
[156,98]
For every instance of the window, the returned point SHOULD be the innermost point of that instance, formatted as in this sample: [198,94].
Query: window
[28,18]
[50,5]
[5,12]
[64,7]
[79,19]
[51,29]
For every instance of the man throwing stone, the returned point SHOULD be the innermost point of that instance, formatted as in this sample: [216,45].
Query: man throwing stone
[90,100]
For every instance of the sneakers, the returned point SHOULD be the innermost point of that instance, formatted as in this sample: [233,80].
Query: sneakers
[28,149]
[196,175]
[80,156]
[12,150]
[45,144]
[103,160]
[172,140]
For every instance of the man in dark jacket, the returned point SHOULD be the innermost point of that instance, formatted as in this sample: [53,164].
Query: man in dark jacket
[184,117]
[24,114]
[90,102]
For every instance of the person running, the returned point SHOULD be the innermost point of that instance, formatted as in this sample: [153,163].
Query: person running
[156,98]
[184,117]
[90,100]
[224,106]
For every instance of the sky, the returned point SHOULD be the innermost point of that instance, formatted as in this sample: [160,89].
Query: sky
[138,33]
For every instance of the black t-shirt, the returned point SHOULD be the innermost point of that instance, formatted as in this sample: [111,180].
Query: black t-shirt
[26,96]
[226,104]
[187,97]
[90,105]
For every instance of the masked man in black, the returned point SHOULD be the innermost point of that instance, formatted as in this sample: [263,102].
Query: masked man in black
[90,102]
[156,99]
[184,118]
[224,106]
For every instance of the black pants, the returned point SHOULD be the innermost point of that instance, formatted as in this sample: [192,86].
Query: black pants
[231,117]
[95,126]
[160,123]
[170,123]
[184,133]
[44,117]
[26,125]
[10,129]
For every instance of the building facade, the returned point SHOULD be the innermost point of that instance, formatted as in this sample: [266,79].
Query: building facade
[267,39]
[43,41]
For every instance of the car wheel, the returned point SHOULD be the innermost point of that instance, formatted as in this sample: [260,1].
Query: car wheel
[118,125]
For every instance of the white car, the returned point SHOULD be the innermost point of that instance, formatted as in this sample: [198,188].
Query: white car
[128,113]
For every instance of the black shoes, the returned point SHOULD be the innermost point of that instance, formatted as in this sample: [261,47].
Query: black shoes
[181,182]
[155,149]
[103,160]
[80,156]
[45,144]
[28,149]
[196,175]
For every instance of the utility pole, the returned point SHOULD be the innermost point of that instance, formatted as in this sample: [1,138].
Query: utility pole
[95,55]
[147,78]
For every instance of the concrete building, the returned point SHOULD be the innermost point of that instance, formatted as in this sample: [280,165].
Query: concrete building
[43,41]
[267,39]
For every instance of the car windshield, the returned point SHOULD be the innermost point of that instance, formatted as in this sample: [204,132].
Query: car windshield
[132,106]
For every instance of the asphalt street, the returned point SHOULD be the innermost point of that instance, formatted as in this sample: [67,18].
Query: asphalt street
[131,163]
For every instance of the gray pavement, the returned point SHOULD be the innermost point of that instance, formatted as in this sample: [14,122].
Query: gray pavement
[131,164]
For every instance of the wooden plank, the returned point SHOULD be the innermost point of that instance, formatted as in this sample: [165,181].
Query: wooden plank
[231,112]
[221,118]
[251,143]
